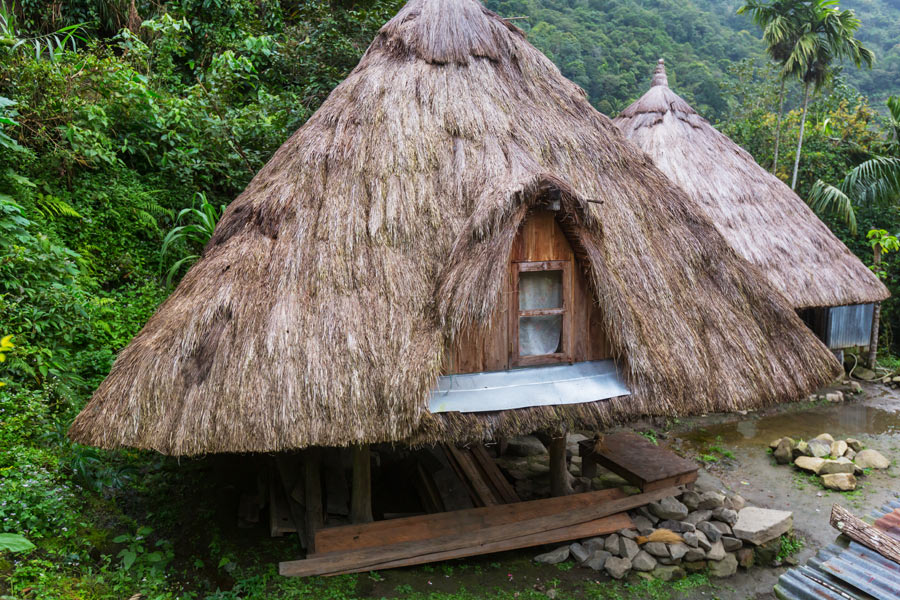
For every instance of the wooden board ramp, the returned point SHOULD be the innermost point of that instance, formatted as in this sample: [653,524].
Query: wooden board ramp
[442,536]
[486,484]
[638,461]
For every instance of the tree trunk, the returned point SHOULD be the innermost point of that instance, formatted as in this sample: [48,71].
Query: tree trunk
[778,126]
[361,494]
[559,473]
[800,139]
[876,316]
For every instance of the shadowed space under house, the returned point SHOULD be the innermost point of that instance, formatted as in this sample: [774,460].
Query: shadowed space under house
[327,304]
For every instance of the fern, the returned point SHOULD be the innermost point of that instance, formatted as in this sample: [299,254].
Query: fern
[52,207]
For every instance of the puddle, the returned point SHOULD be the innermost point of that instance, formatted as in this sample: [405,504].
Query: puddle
[843,420]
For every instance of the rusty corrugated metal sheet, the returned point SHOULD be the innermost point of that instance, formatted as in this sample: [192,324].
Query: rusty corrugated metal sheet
[845,571]
[849,326]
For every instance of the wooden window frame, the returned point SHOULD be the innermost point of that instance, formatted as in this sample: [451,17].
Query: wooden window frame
[565,310]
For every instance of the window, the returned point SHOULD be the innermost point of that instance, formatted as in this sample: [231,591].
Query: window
[540,312]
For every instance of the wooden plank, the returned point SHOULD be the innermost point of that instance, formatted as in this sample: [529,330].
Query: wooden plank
[363,559]
[461,476]
[639,461]
[473,476]
[379,533]
[361,490]
[502,487]
[603,526]
[280,521]
[428,492]
[861,532]
[289,471]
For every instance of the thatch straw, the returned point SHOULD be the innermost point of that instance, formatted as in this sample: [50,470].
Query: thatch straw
[320,310]
[760,216]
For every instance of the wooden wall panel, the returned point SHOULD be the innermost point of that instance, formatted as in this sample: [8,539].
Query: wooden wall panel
[539,239]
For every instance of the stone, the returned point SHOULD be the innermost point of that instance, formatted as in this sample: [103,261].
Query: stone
[724,528]
[850,453]
[717,552]
[840,465]
[612,544]
[766,554]
[856,387]
[572,440]
[553,557]
[759,525]
[745,557]
[697,516]
[645,512]
[825,437]
[657,549]
[784,452]
[810,463]
[842,482]
[643,524]
[819,448]
[695,554]
[694,566]
[643,562]
[628,548]
[617,567]
[690,499]
[735,502]
[774,443]
[710,500]
[669,508]
[703,541]
[597,559]
[711,531]
[834,397]
[854,444]
[676,526]
[731,544]
[725,515]
[871,459]
[690,538]
[678,550]
[839,448]
[671,573]
[525,445]
[579,552]
[593,544]
[629,533]
[801,449]
[864,374]
[725,567]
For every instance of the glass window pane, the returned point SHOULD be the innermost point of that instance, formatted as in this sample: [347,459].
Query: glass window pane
[540,289]
[540,335]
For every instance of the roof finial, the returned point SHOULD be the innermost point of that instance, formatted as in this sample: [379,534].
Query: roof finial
[659,75]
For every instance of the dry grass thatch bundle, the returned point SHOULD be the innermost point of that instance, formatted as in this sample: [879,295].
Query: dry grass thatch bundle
[760,216]
[320,309]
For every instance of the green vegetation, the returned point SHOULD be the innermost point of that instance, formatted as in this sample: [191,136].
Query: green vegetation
[790,545]
[126,127]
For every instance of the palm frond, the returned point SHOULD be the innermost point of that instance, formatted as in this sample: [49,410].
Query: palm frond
[827,199]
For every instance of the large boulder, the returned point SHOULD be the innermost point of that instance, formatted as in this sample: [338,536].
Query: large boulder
[840,465]
[612,544]
[725,567]
[854,444]
[643,562]
[716,553]
[809,463]
[784,452]
[759,525]
[825,437]
[819,448]
[628,548]
[669,508]
[525,445]
[617,567]
[871,459]
[842,482]
[838,448]
[597,560]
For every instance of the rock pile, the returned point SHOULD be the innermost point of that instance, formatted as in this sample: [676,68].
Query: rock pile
[699,530]
[836,462]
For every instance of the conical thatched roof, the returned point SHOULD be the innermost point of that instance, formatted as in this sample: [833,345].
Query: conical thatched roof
[320,310]
[760,216]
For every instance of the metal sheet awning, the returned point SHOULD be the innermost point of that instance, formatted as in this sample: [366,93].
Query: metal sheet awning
[533,386]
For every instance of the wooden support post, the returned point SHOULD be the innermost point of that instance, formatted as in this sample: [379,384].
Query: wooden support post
[313,491]
[361,494]
[559,473]
[862,533]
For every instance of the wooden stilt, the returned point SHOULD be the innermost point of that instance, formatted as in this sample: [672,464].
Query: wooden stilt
[313,491]
[361,494]
[559,473]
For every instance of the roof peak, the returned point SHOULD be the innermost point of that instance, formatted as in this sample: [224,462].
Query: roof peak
[659,75]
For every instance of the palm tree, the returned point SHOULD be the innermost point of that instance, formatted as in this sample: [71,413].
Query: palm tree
[778,22]
[824,34]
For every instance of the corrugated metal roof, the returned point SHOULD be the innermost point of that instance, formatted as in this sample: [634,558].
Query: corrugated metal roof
[534,386]
[843,571]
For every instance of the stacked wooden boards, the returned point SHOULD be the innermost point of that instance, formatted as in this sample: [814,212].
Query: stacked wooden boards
[429,538]
[637,460]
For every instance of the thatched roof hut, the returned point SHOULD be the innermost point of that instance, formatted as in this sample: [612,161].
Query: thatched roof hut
[321,310]
[760,217]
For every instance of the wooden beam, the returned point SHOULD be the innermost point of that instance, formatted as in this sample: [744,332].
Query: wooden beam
[361,493]
[603,526]
[559,472]
[384,533]
[362,559]
[312,488]
[861,532]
